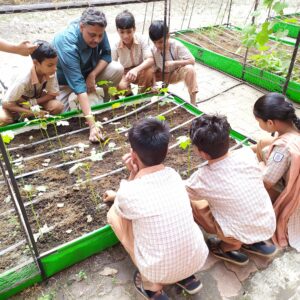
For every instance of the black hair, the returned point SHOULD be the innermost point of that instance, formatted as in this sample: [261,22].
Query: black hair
[273,106]
[210,134]
[93,16]
[156,30]
[149,138]
[125,20]
[43,51]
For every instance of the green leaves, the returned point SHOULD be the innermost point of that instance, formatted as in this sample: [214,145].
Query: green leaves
[184,142]
[116,105]
[161,118]
[278,7]
[7,136]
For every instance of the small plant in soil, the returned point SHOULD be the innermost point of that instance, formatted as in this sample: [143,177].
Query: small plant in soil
[29,190]
[185,144]
[7,137]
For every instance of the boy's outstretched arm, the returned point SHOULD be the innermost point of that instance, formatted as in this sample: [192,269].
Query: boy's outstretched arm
[133,73]
[25,112]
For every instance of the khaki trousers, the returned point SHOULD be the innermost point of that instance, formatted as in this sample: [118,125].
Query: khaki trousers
[123,230]
[186,74]
[203,217]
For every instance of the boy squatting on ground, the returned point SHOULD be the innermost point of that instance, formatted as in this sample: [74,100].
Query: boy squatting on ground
[280,160]
[36,86]
[152,216]
[179,63]
[134,54]
[237,207]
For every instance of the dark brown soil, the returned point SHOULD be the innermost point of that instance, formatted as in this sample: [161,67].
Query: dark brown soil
[67,210]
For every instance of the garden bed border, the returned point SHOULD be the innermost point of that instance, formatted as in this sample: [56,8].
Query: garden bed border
[72,252]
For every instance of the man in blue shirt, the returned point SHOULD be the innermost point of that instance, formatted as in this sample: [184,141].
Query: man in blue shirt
[84,57]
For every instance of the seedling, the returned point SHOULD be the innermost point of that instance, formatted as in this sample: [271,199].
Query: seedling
[29,190]
[185,143]
[7,137]
[81,275]
[161,118]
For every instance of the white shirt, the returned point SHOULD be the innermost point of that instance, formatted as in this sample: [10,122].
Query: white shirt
[236,195]
[168,244]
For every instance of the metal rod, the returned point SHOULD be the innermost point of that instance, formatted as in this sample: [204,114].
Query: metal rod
[291,67]
[186,6]
[6,9]
[146,9]
[229,12]
[247,50]
[19,206]
[165,39]
[191,13]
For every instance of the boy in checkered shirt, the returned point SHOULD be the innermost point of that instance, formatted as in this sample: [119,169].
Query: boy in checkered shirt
[237,208]
[152,216]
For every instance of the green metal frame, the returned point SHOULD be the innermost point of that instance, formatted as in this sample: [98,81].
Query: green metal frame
[292,28]
[253,75]
[81,248]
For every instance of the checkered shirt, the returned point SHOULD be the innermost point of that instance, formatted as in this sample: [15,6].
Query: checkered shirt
[237,198]
[139,51]
[177,51]
[168,244]
[277,167]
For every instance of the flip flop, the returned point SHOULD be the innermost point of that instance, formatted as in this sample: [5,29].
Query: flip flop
[159,295]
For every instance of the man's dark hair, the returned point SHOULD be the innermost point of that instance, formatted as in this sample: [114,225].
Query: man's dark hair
[210,134]
[93,16]
[43,51]
[125,20]
[149,138]
[156,30]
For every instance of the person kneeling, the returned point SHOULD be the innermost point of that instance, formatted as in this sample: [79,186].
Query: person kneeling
[237,207]
[36,87]
[152,216]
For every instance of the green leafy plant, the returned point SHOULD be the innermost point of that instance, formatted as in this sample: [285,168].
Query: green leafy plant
[161,118]
[7,137]
[185,143]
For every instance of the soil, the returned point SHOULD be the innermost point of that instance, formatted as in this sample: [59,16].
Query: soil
[228,43]
[68,210]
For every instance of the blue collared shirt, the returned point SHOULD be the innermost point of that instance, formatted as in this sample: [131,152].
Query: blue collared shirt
[76,59]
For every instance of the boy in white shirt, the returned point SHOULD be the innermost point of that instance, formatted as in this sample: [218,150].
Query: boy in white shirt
[237,207]
[152,216]
[134,54]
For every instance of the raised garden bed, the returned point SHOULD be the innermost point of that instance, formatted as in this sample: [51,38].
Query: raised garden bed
[290,23]
[221,48]
[64,201]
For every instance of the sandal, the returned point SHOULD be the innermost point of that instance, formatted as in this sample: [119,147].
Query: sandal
[159,295]
[235,256]
[191,285]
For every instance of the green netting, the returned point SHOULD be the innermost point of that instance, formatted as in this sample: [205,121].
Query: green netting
[293,28]
[15,280]
[253,75]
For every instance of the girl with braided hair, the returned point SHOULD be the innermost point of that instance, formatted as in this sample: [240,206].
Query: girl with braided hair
[280,161]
